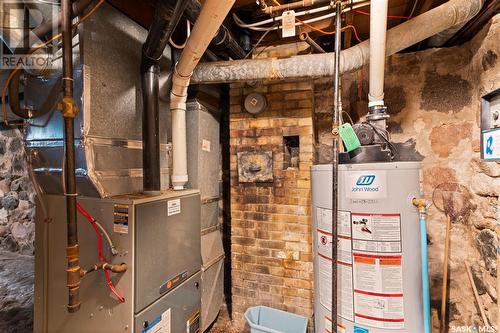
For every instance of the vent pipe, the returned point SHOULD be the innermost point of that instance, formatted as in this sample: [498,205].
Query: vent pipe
[211,17]
[378,29]
[161,30]
[399,38]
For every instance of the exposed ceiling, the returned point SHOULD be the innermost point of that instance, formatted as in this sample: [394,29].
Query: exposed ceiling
[249,11]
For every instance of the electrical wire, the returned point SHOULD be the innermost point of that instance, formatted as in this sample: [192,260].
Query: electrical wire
[100,254]
[242,24]
[413,9]
[258,43]
[256,26]
[34,49]
[350,26]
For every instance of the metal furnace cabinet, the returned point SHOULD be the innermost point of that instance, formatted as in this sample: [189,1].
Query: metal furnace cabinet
[158,237]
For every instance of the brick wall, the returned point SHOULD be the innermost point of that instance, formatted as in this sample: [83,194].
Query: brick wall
[271,221]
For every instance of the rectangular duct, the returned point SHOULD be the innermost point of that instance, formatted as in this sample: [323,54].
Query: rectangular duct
[108,126]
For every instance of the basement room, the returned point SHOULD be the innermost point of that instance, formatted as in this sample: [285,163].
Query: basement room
[249,166]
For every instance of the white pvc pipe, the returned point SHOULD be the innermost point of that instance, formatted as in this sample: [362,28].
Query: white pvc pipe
[210,19]
[378,32]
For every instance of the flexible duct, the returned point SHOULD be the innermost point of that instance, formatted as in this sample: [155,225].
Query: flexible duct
[211,17]
[161,30]
[378,29]
[322,65]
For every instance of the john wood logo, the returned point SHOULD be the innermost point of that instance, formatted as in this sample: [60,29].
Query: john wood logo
[365,180]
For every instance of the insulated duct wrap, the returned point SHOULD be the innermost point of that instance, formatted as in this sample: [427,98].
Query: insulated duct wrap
[399,38]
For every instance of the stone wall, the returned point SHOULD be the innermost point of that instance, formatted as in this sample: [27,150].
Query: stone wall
[433,97]
[17,197]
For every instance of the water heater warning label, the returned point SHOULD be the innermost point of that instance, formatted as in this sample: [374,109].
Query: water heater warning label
[344,262]
[370,271]
[378,290]
[379,233]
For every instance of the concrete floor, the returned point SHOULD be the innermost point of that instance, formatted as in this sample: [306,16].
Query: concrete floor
[223,323]
[16,296]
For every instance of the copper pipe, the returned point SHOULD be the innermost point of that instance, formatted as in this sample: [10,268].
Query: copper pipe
[118,268]
[294,5]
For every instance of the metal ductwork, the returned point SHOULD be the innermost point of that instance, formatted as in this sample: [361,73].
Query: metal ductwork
[164,23]
[450,14]
[108,137]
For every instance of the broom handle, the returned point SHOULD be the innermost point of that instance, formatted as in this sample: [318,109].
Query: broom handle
[445,274]
[476,294]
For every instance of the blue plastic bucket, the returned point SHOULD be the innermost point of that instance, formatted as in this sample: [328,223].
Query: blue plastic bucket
[263,319]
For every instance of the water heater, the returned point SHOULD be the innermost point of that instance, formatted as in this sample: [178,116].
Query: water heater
[379,268]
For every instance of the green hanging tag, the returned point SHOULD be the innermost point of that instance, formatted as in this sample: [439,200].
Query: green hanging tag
[349,137]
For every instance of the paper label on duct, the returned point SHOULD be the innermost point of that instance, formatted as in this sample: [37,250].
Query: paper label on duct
[288,24]
[205,145]
[379,233]
[378,290]
[120,219]
[366,185]
[161,324]
[174,207]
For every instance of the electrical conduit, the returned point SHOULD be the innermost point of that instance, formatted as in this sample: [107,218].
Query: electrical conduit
[211,17]
[426,299]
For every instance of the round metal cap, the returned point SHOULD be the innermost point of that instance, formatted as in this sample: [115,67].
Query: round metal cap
[255,103]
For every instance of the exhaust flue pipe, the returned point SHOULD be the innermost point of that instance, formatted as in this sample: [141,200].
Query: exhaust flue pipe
[211,17]
[378,31]
[159,34]
[399,38]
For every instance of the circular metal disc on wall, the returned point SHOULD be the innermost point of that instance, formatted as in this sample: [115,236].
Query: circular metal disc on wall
[255,103]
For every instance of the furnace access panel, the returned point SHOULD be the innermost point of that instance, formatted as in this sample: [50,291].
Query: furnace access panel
[158,237]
